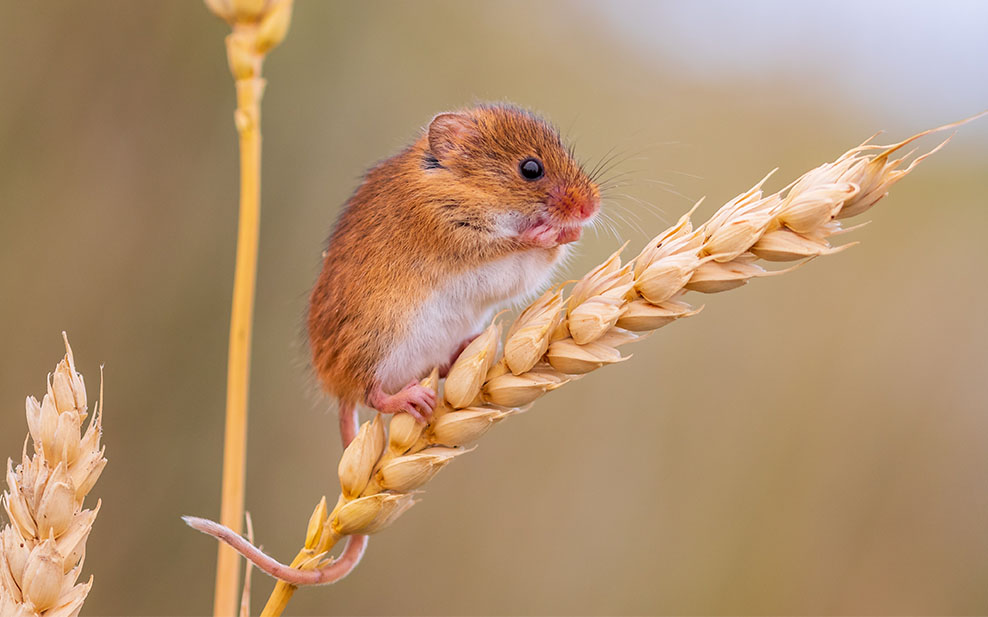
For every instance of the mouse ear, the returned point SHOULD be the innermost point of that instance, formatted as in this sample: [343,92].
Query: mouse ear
[448,132]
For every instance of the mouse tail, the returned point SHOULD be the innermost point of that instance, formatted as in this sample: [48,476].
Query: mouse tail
[348,421]
[341,566]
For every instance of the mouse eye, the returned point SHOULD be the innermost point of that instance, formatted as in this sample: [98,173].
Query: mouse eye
[531,168]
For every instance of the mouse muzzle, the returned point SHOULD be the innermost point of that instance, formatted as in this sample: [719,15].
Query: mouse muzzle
[570,208]
[573,204]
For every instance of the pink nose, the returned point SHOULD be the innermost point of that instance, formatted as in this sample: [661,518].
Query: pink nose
[572,202]
[589,208]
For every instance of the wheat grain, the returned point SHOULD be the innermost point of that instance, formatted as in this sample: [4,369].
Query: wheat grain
[43,547]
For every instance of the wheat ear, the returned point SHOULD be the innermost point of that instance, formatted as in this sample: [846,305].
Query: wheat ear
[258,27]
[43,547]
[558,339]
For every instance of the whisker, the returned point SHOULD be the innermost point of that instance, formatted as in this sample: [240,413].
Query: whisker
[625,175]
[615,162]
[616,208]
[606,190]
[608,226]
[685,173]
[618,158]
[593,172]
[657,211]
[612,158]
[667,187]
[614,225]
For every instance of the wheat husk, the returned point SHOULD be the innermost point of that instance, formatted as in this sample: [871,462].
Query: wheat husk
[43,546]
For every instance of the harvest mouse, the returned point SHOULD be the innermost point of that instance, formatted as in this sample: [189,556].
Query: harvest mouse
[474,214]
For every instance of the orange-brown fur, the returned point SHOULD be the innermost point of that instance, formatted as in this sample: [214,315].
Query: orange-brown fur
[428,213]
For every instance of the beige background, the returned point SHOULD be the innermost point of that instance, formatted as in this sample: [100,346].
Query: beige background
[812,444]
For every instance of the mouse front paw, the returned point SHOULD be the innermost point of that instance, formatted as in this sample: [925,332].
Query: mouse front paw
[547,236]
[542,235]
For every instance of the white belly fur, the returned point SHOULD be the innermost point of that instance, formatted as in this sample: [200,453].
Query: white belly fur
[461,310]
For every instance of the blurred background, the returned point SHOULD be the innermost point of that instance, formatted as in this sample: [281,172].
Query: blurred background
[811,444]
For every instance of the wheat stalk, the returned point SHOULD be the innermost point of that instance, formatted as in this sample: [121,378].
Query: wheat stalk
[258,27]
[43,547]
[558,339]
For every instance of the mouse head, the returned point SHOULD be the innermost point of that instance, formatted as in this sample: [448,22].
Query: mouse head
[513,169]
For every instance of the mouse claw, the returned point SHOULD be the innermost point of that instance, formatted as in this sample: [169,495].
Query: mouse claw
[414,399]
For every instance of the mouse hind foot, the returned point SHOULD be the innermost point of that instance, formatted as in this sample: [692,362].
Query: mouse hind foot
[414,399]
